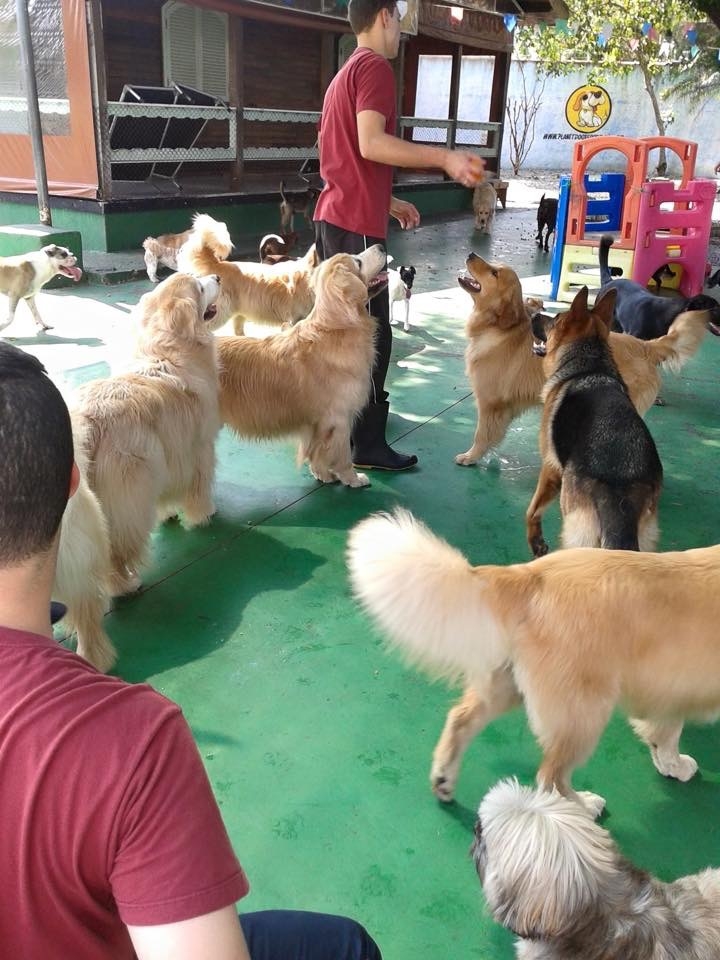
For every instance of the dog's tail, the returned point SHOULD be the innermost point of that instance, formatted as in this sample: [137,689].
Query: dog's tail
[682,340]
[606,241]
[208,244]
[443,613]
[282,191]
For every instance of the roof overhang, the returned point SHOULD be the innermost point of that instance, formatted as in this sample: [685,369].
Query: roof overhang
[527,11]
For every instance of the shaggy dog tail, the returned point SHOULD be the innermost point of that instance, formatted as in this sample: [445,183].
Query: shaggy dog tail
[430,601]
[682,340]
[208,244]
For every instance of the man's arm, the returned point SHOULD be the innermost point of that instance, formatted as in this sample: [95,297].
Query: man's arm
[375,144]
[214,936]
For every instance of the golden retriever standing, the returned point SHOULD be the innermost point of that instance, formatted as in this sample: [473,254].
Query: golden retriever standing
[311,379]
[266,293]
[149,434]
[573,635]
[506,377]
[484,202]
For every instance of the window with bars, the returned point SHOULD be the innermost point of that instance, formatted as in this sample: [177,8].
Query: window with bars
[195,48]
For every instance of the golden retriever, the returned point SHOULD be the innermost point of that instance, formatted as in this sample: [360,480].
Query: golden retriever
[484,202]
[149,434]
[311,379]
[506,377]
[265,293]
[573,635]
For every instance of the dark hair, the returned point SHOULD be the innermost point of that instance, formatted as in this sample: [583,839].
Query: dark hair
[36,456]
[362,13]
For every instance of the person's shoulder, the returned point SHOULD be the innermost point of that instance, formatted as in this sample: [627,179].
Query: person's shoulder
[366,61]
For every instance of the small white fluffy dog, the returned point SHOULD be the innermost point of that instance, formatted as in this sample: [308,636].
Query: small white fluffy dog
[484,203]
[23,276]
[556,879]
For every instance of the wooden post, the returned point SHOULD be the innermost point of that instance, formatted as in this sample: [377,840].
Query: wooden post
[236,89]
[98,85]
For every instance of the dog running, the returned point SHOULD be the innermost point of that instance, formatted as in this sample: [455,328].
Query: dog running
[24,275]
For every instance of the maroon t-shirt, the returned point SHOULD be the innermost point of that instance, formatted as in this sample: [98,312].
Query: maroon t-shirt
[357,192]
[107,817]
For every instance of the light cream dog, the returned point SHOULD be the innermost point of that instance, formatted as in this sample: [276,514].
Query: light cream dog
[23,276]
[484,202]
[149,434]
[265,293]
[572,635]
[162,250]
[311,379]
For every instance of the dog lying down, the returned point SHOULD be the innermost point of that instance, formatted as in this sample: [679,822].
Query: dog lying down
[507,379]
[145,445]
[311,379]
[265,293]
[643,314]
[557,634]
[24,275]
[556,879]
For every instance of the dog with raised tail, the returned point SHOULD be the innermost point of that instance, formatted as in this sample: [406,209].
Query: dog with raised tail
[557,880]
[572,635]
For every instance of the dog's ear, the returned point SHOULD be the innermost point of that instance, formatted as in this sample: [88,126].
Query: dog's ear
[579,306]
[604,308]
[52,250]
[311,257]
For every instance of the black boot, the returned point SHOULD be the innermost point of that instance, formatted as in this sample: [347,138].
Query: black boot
[370,450]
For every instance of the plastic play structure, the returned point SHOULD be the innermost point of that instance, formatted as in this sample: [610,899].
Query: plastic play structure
[655,222]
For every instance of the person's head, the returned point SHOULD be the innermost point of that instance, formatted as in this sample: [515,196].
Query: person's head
[36,457]
[379,18]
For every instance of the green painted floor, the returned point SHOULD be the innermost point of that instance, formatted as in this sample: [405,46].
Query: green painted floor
[316,739]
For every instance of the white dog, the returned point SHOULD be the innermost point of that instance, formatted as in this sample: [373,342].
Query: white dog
[400,283]
[23,276]
[484,203]
[556,879]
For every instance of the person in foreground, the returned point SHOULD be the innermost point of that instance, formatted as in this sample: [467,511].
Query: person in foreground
[112,841]
[358,150]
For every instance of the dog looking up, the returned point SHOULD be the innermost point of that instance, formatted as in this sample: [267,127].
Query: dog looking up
[276,249]
[507,378]
[546,220]
[556,879]
[265,293]
[400,283]
[484,202]
[597,453]
[296,201]
[573,635]
[23,276]
[641,313]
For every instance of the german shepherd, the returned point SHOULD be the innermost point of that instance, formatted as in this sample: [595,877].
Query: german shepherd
[572,635]
[596,450]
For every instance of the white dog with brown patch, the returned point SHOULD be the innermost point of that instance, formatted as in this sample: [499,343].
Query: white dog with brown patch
[24,275]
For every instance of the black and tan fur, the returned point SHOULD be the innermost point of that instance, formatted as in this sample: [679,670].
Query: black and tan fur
[294,202]
[597,452]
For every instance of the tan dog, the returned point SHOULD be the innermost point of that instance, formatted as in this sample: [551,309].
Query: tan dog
[149,434]
[311,379]
[573,635]
[276,294]
[507,379]
[597,452]
[484,202]
[23,276]
[163,250]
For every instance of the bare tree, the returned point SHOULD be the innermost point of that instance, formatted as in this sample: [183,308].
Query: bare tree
[521,115]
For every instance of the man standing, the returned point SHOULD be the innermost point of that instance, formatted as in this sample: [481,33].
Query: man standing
[358,150]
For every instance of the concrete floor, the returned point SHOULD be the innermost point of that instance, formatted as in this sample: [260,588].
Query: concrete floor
[317,740]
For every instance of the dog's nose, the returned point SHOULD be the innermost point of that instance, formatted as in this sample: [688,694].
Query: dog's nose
[217,278]
[472,256]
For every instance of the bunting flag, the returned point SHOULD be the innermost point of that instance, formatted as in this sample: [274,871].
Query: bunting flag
[510,21]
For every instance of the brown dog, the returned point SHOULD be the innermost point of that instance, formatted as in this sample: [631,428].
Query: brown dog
[506,377]
[276,294]
[572,635]
[596,451]
[296,202]
[275,248]
[24,275]
[313,378]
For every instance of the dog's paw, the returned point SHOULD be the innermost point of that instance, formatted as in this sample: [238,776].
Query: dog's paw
[359,480]
[539,546]
[466,459]
[198,518]
[593,803]
[443,788]
[682,767]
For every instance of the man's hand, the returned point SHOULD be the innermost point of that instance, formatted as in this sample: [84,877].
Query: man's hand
[464,167]
[405,213]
